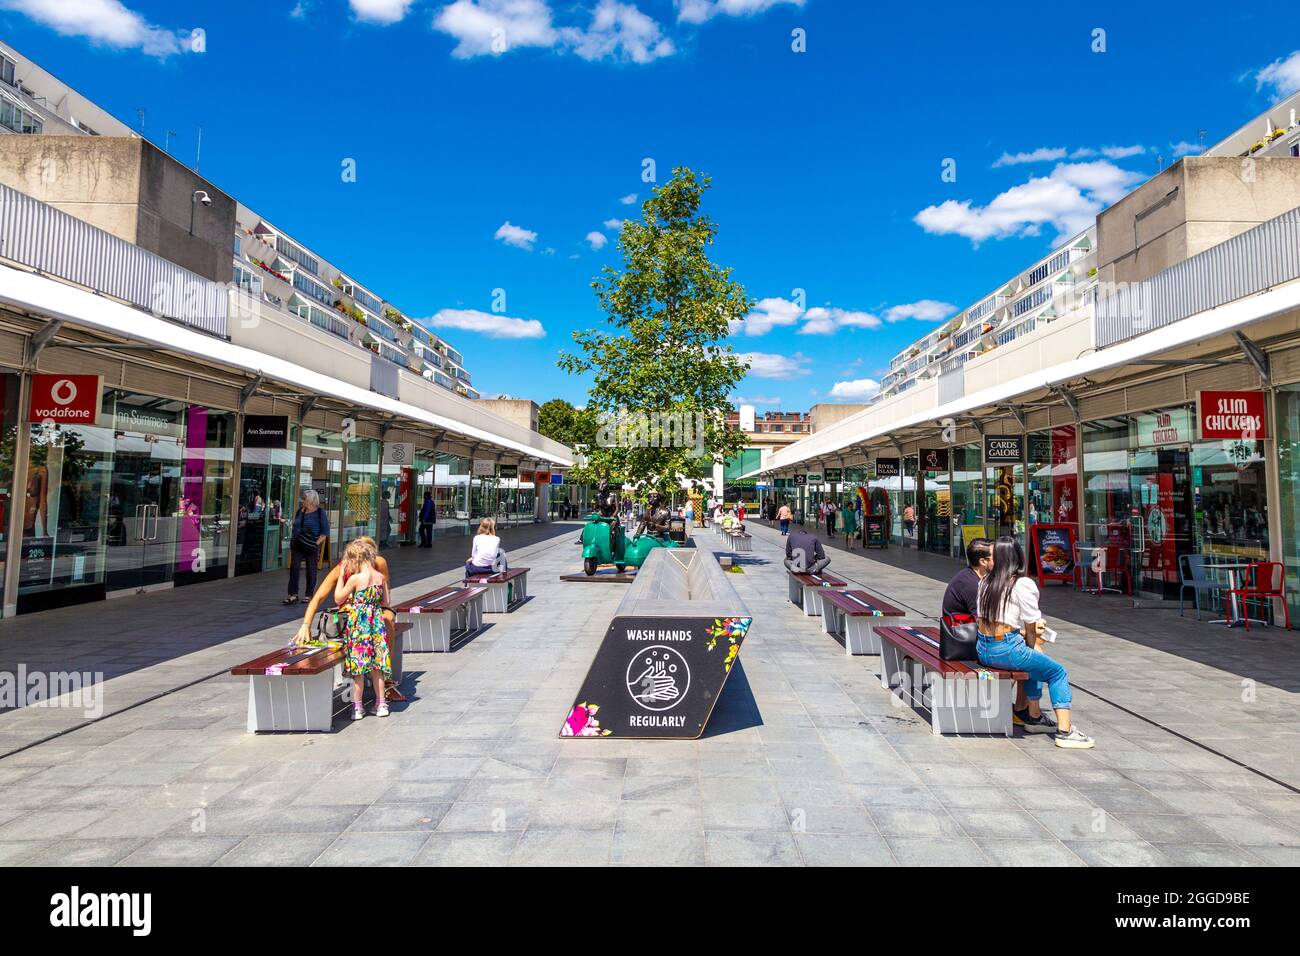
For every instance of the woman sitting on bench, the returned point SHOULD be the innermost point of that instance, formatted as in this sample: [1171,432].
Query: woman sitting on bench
[1010,624]
[486,551]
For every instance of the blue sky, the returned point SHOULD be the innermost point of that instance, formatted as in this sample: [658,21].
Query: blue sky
[482,169]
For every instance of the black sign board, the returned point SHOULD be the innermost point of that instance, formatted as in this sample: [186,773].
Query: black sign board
[800,480]
[875,531]
[266,431]
[834,474]
[933,459]
[507,471]
[1040,447]
[1004,449]
[887,468]
[656,677]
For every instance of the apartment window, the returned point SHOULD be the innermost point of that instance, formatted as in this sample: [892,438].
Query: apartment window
[289,249]
[313,289]
[1032,300]
[7,68]
[18,119]
[1295,148]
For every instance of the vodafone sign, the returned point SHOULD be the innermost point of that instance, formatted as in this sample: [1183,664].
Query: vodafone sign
[65,399]
[1237,416]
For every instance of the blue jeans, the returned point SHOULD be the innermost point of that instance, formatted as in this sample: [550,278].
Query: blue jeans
[785,526]
[1013,654]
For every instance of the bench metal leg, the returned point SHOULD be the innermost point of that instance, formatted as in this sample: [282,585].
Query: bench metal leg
[430,634]
[891,666]
[796,593]
[811,602]
[960,705]
[291,702]
[859,636]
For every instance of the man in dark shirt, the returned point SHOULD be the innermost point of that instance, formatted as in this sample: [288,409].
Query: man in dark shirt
[962,596]
[814,555]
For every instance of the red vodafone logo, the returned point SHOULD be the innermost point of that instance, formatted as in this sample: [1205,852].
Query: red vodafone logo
[65,399]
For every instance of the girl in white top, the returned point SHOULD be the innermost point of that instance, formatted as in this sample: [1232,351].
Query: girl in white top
[1010,624]
[486,547]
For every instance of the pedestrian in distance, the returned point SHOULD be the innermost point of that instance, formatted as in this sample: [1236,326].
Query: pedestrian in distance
[428,515]
[783,517]
[310,530]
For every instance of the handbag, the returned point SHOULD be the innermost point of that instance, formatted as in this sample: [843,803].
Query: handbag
[305,542]
[958,634]
[329,625]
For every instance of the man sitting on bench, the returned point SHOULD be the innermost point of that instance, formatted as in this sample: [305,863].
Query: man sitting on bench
[962,596]
[804,553]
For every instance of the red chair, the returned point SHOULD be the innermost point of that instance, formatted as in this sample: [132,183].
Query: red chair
[1273,576]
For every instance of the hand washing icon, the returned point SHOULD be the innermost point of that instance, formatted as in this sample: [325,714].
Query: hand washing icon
[658,678]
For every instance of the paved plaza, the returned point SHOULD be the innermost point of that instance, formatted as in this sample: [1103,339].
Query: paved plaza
[806,761]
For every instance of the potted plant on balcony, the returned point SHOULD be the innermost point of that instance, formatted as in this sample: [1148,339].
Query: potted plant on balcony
[338,283]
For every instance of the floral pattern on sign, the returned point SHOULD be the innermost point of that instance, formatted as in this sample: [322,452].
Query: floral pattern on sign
[733,629]
[582,722]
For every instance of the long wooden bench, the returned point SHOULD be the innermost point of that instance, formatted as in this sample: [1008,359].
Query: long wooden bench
[960,698]
[450,615]
[740,540]
[298,688]
[853,616]
[506,590]
[806,590]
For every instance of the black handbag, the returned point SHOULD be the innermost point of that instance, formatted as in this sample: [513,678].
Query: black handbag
[305,542]
[958,634]
[329,625]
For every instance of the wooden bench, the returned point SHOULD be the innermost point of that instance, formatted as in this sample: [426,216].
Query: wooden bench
[961,698]
[506,590]
[302,688]
[449,615]
[853,617]
[740,541]
[806,590]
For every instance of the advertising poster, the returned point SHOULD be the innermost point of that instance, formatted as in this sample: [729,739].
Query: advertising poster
[1053,546]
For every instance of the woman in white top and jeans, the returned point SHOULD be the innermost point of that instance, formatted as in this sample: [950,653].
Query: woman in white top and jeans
[1008,606]
[487,546]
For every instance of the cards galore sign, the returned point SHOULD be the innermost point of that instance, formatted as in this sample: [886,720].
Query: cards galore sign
[1239,416]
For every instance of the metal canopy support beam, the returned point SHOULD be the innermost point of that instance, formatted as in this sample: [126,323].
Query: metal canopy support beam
[248,390]
[41,338]
[305,407]
[1071,400]
[1255,355]
[1018,415]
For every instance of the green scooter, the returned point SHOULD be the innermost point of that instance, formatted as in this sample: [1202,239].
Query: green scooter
[604,541]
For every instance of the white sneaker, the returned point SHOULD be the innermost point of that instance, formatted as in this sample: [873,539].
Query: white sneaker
[381,709]
[1075,739]
[358,712]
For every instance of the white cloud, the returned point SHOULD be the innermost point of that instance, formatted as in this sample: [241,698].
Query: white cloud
[486,323]
[756,399]
[699,11]
[619,31]
[1044,154]
[102,21]
[1283,75]
[628,199]
[1122,152]
[927,310]
[1184,149]
[476,24]
[769,365]
[858,389]
[299,11]
[516,236]
[828,321]
[768,314]
[1068,199]
[382,12]
[597,240]
[614,223]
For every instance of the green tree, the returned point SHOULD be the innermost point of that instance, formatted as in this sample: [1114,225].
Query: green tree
[561,421]
[665,361]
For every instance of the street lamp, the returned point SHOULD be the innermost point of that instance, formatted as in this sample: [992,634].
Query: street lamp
[199,197]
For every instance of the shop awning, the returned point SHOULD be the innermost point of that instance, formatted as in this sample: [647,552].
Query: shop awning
[49,298]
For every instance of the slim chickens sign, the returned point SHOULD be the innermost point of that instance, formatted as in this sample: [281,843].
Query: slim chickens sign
[1234,416]
[65,399]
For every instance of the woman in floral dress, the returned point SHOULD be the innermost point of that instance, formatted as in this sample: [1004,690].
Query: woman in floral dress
[365,642]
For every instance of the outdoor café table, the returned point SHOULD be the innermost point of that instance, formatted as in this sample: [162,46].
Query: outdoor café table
[1233,570]
[1083,562]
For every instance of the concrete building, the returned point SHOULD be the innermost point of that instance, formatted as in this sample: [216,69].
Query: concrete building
[176,372]
[1089,392]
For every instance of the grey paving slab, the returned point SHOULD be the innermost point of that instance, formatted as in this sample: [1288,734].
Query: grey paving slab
[816,764]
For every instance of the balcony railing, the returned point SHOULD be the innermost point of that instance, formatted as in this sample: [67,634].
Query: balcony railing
[55,243]
[1255,260]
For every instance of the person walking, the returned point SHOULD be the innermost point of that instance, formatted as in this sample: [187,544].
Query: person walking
[783,517]
[1010,625]
[310,530]
[850,525]
[830,519]
[428,514]
[909,520]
